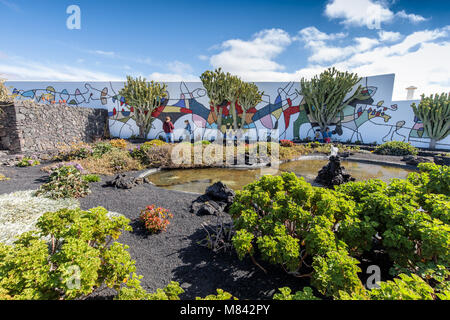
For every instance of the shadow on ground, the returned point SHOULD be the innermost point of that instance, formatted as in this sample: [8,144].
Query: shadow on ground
[203,271]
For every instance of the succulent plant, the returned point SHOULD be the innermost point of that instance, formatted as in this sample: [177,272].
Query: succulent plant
[145,97]
[434,112]
[325,94]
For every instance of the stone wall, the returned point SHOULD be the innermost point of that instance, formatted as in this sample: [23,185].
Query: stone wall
[39,128]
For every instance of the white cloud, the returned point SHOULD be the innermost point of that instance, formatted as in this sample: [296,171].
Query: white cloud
[389,36]
[16,68]
[257,54]
[103,53]
[368,13]
[179,67]
[179,71]
[322,52]
[418,59]
[414,18]
[359,12]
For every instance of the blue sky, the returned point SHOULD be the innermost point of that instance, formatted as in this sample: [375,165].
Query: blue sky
[281,40]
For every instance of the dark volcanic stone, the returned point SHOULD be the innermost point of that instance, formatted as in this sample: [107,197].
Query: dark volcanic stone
[217,199]
[333,174]
[122,181]
[414,161]
[442,161]
[220,191]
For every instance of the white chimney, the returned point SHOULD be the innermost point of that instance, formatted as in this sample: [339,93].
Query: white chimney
[410,92]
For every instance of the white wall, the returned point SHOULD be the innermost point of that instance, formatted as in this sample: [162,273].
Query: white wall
[376,119]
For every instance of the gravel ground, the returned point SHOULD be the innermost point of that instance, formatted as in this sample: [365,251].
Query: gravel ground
[173,255]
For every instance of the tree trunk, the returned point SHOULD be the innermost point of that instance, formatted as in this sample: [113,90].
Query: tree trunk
[219,119]
[234,113]
[142,134]
[432,143]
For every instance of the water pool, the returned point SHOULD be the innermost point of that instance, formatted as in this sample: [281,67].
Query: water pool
[197,180]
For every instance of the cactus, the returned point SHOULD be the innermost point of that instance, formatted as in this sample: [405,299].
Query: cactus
[434,112]
[223,88]
[213,81]
[324,95]
[249,97]
[145,97]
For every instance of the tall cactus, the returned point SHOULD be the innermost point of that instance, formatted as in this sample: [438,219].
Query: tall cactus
[224,88]
[325,95]
[232,91]
[213,82]
[249,97]
[434,112]
[145,97]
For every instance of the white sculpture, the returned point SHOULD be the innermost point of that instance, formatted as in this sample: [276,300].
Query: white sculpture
[334,151]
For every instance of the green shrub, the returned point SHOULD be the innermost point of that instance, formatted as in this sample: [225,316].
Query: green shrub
[286,294]
[402,288]
[288,220]
[203,142]
[323,234]
[28,162]
[221,295]
[65,182]
[134,291]
[102,148]
[153,143]
[396,148]
[78,256]
[91,178]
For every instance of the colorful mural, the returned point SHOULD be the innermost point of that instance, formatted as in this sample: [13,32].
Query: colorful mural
[375,118]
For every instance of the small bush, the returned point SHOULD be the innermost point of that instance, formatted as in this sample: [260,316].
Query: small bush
[325,234]
[75,151]
[119,143]
[286,143]
[91,178]
[396,148]
[153,143]
[115,161]
[77,257]
[65,182]
[28,162]
[203,142]
[159,156]
[155,219]
[102,148]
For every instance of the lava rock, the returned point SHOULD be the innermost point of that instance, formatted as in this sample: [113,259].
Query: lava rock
[333,174]
[217,199]
[122,181]
[414,161]
[219,191]
[442,161]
